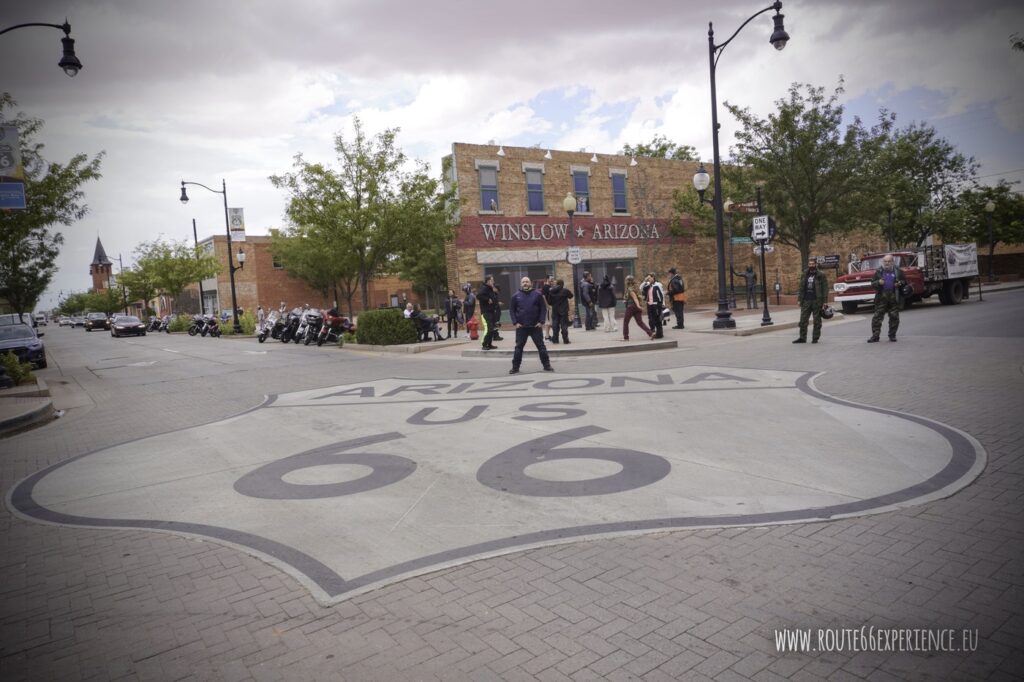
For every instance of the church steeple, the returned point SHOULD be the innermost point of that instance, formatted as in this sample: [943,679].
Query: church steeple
[100,268]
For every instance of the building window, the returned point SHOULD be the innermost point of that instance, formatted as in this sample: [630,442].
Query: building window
[581,187]
[619,193]
[275,261]
[616,272]
[534,190]
[488,188]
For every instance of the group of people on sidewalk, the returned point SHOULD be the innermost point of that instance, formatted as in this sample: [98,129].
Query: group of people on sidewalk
[890,285]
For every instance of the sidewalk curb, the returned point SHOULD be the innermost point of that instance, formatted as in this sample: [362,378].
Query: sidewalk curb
[421,347]
[23,417]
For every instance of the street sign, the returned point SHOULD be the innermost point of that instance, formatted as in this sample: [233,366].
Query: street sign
[759,231]
[828,261]
[574,255]
[768,248]
[744,207]
[742,240]
[12,195]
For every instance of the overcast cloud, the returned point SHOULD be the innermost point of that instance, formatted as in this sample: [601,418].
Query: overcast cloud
[232,89]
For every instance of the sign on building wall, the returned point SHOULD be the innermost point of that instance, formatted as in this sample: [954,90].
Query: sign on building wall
[236,221]
[528,232]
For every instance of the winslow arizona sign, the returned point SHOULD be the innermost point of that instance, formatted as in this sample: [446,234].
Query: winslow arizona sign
[533,232]
[352,487]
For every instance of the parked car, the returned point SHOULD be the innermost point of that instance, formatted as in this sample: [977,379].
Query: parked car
[96,321]
[65,322]
[128,325]
[24,342]
[40,319]
[14,318]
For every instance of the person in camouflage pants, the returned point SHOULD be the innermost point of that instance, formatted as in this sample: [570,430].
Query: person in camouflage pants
[812,296]
[887,282]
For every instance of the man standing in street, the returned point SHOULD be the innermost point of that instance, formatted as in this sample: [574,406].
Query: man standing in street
[887,282]
[558,296]
[812,296]
[528,312]
[488,297]
[676,291]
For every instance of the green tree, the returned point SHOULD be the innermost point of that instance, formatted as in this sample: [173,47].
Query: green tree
[105,301]
[660,148]
[1007,220]
[313,254]
[371,208]
[139,286]
[918,179]
[53,194]
[814,175]
[75,304]
[173,265]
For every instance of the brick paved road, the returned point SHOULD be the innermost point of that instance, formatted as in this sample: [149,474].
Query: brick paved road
[98,604]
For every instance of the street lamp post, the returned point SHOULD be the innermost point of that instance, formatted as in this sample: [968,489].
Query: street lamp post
[124,292]
[990,208]
[202,297]
[779,38]
[69,61]
[569,204]
[227,227]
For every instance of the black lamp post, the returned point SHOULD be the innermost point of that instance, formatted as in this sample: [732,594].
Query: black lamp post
[990,208]
[569,204]
[231,265]
[779,38]
[69,62]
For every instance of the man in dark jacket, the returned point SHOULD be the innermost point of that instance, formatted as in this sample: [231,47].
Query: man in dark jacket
[528,312]
[812,296]
[654,297]
[559,297]
[469,303]
[676,292]
[588,297]
[887,282]
[488,297]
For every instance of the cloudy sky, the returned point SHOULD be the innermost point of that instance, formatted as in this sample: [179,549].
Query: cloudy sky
[233,89]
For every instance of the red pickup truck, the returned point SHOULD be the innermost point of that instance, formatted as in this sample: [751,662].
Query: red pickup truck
[945,269]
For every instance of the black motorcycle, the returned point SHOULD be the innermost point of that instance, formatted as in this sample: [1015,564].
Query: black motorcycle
[154,324]
[212,327]
[198,325]
[291,326]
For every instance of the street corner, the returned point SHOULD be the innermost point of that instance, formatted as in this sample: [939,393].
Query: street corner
[353,487]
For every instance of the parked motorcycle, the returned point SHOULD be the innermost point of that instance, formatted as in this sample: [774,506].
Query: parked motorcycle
[154,324]
[270,327]
[291,325]
[314,321]
[165,324]
[198,325]
[333,327]
[212,327]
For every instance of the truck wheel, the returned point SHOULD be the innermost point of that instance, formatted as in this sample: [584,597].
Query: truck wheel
[954,292]
[849,307]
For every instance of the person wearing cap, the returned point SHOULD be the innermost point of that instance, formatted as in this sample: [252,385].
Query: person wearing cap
[676,291]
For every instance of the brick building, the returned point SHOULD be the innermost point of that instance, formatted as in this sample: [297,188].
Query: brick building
[263,281]
[511,222]
[101,268]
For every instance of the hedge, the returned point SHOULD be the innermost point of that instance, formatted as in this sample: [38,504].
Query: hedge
[386,327]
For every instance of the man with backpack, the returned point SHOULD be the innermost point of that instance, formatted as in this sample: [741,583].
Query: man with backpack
[676,291]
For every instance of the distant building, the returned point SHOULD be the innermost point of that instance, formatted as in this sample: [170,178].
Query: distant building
[101,268]
[264,281]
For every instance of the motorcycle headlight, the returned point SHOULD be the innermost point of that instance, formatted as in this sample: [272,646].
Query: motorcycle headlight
[839,286]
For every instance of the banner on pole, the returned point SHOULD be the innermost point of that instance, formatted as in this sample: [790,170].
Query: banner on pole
[236,221]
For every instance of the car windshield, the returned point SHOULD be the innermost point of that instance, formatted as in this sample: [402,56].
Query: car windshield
[127,319]
[875,262]
[15,331]
[97,316]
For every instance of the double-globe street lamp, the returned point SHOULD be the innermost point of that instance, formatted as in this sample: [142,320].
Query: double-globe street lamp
[69,62]
[241,254]
[779,38]
[569,204]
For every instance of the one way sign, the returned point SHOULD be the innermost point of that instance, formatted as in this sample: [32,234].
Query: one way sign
[762,229]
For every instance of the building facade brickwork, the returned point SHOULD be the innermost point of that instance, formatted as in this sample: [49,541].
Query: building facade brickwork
[511,222]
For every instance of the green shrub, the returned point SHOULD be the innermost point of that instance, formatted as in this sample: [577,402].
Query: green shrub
[246,321]
[19,372]
[347,337]
[180,324]
[387,327]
